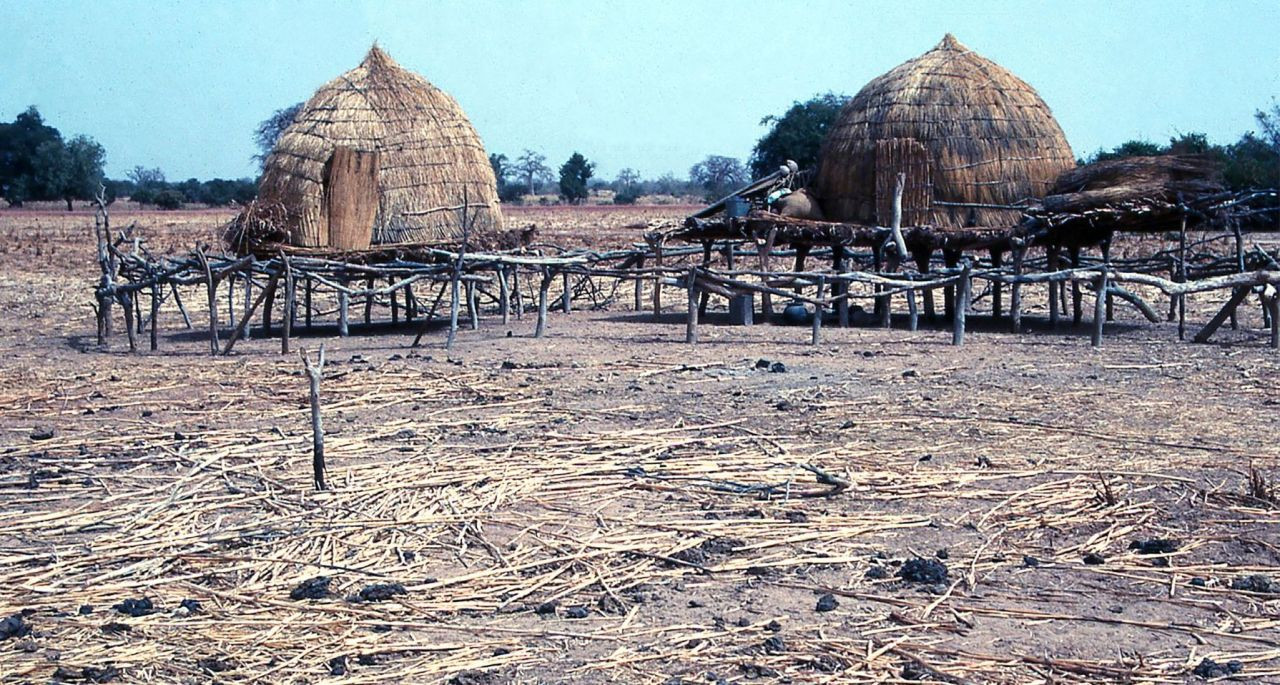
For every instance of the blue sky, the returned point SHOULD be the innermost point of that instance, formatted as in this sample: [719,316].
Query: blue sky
[655,86]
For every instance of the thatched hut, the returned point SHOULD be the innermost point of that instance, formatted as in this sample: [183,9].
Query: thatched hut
[971,137]
[377,157]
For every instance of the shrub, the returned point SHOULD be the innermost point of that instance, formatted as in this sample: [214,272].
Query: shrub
[169,199]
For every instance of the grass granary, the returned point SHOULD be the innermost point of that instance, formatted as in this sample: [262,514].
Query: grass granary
[973,139]
[377,157]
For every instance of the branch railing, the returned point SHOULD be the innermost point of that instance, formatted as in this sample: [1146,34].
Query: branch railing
[132,273]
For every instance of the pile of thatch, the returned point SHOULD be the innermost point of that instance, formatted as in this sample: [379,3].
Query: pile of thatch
[989,138]
[1135,179]
[428,158]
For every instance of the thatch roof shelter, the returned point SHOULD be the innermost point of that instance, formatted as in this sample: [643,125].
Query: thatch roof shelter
[378,156]
[971,137]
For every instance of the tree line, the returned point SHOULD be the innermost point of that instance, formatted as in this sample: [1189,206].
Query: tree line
[39,164]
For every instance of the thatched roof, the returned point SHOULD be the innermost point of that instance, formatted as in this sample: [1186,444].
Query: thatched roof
[1134,179]
[988,139]
[425,150]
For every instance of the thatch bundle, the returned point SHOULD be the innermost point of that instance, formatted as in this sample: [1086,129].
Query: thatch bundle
[377,156]
[989,140]
[1135,179]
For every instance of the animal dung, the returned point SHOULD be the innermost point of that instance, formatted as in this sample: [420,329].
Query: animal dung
[379,592]
[925,571]
[136,607]
[827,603]
[311,588]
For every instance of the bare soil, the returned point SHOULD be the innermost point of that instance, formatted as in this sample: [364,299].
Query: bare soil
[609,504]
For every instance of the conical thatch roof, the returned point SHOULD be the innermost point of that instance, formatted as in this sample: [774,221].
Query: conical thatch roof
[424,148]
[988,138]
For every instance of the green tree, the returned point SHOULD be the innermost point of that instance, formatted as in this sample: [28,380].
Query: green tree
[269,130]
[500,167]
[718,175]
[503,171]
[1251,162]
[627,178]
[70,171]
[574,177]
[169,199]
[532,167]
[1132,148]
[796,135]
[19,142]
[147,184]
[626,187]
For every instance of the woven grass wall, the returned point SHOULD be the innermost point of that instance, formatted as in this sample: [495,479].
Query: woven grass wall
[427,152]
[990,139]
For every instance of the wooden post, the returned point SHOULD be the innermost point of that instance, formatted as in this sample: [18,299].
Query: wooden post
[913,312]
[126,303]
[155,315]
[877,255]
[949,295]
[1273,306]
[1077,301]
[691,325]
[246,320]
[231,298]
[267,306]
[886,310]
[317,431]
[455,297]
[657,280]
[211,289]
[343,305]
[137,311]
[841,287]
[395,302]
[818,311]
[1237,296]
[1182,277]
[639,304]
[1100,308]
[106,261]
[504,294]
[997,288]
[704,297]
[566,298]
[899,250]
[290,305]
[515,288]
[923,259]
[961,305]
[473,305]
[1235,229]
[766,249]
[306,305]
[368,301]
[177,299]
[1106,261]
[411,303]
[1015,291]
[1052,255]
[543,289]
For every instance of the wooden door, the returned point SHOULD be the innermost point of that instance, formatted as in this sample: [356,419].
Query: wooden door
[351,197]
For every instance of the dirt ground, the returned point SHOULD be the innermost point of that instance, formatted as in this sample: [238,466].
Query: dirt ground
[609,504]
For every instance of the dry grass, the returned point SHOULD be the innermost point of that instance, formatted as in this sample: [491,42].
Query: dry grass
[607,469]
